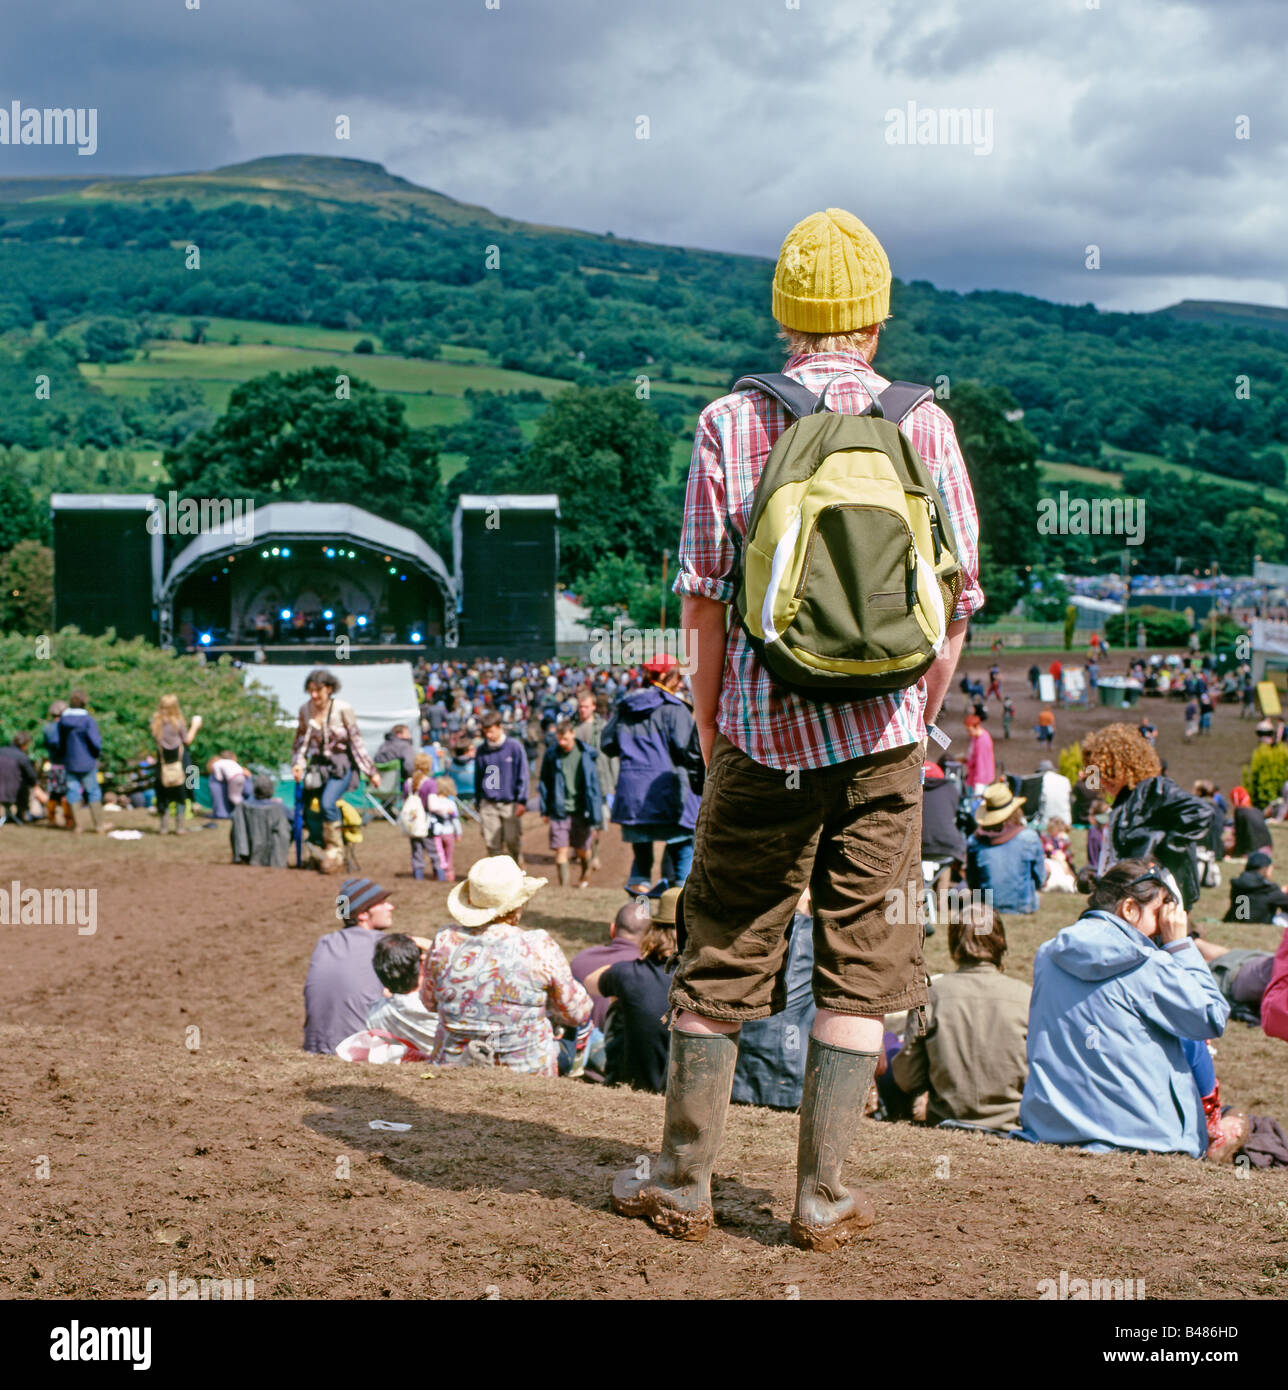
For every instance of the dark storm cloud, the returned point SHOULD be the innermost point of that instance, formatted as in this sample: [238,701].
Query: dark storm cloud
[1112,126]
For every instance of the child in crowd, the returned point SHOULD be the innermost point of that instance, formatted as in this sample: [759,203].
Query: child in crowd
[444,827]
[1057,846]
[397,963]
[420,784]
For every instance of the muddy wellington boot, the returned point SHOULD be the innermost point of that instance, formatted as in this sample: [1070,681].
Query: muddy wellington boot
[563,874]
[675,1192]
[827,1215]
[96,817]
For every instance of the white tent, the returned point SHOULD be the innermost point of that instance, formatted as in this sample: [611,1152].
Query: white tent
[381,694]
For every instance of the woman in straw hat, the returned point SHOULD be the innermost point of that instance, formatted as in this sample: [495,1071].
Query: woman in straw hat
[1004,857]
[491,983]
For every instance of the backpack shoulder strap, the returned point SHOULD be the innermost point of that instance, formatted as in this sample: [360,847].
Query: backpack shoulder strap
[796,399]
[901,398]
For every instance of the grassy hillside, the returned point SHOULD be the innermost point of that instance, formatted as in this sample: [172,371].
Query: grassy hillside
[1225,313]
[292,261]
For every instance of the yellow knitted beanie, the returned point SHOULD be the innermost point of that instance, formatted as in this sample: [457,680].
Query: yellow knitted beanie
[832,275]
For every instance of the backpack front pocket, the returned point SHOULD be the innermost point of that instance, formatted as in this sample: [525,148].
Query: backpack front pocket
[857,596]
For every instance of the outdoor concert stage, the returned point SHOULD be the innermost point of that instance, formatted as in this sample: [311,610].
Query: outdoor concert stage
[308,582]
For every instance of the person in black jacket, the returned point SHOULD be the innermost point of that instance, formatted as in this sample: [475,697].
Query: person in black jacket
[18,780]
[637,1041]
[1150,816]
[1250,830]
[1254,896]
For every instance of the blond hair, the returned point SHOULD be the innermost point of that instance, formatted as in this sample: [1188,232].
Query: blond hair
[862,341]
[167,712]
[421,769]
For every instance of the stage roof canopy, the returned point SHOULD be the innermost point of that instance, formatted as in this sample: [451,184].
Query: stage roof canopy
[312,520]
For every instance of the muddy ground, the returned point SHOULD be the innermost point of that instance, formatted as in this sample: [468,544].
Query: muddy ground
[226,1152]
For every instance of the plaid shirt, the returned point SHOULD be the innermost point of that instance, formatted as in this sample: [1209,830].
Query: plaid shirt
[735,434]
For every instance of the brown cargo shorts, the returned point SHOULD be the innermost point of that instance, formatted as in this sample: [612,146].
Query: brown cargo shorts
[851,831]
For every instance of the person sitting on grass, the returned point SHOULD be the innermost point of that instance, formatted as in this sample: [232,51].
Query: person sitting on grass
[261,827]
[1122,1003]
[18,779]
[1251,832]
[1243,975]
[341,984]
[1004,857]
[494,985]
[971,1057]
[1255,896]
[624,935]
[637,1044]
[401,1012]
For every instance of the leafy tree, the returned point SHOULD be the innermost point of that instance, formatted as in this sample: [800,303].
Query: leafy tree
[100,425]
[1251,533]
[27,588]
[108,340]
[604,452]
[1001,457]
[291,439]
[19,518]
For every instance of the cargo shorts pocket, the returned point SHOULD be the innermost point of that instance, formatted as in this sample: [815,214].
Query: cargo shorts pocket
[879,835]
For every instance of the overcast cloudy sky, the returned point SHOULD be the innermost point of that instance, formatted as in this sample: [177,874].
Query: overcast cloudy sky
[1114,126]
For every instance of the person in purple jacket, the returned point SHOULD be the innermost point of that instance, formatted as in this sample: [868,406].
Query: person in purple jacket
[79,744]
[653,734]
[501,788]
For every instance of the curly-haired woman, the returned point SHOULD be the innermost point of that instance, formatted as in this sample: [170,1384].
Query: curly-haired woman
[1150,816]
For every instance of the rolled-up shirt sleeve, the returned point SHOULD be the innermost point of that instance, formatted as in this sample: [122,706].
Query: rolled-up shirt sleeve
[707,557]
[943,457]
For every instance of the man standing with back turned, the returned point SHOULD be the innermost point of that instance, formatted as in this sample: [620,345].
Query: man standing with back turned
[824,793]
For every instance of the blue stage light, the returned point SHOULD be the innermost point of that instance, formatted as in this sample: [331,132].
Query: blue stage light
[362,622]
[286,552]
[327,613]
[415,637]
[205,639]
[286,615]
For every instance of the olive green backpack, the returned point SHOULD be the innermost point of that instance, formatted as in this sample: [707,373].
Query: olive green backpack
[849,572]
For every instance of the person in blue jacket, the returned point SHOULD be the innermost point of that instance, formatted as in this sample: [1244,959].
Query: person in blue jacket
[571,800]
[1004,857]
[653,734]
[79,744]
[771,1051]
[1120,999]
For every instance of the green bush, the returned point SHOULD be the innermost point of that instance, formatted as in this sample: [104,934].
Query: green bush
[1069,762]
[124,681]
[1070,622]
[1163,626]
[1265,773]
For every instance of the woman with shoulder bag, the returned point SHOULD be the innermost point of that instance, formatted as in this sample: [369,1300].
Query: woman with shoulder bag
[173,735]
[327,746]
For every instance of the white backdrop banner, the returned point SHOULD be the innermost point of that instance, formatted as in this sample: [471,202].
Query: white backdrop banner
[381,695]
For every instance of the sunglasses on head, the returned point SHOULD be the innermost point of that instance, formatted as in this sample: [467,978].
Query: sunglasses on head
[1157,874]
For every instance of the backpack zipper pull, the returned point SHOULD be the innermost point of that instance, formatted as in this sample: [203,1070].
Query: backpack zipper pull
[934,533]
[910,575]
